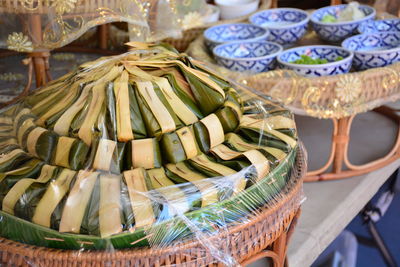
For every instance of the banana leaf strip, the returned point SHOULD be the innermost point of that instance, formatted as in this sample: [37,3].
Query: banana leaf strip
[173,198]
[110,213]
[240,144]
[8,179]
[90,222]
[64,123]
[214,129]
[6,120]
[182,90]
[47,90]
[42,143]
[188,141]
[207,99]
[19,188]
[56,191]
[77,201]
[47,103]
[58,108]
[13,159]
[183,173]
[23,130]
[214,169]
[145,153]
[128,219]
[121,91]
[141,204]
[173,150]
[70,153]
[228,118]
[156,117]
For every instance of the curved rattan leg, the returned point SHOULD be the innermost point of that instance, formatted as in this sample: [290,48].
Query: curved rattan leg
[263,254]
[277,253]
[314,175]
[341,141]
[391,156]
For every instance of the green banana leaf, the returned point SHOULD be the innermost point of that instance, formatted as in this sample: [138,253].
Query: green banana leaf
[231,210]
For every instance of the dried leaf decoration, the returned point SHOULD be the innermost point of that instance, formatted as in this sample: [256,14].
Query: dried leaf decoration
[17,41]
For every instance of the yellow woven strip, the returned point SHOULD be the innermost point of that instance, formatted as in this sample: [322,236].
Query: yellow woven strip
[63,149]
[86,130]
[63,123]
[141,205]
[215,129]
[23,112]
[259,161]
[104,154]
[52,197]
[77,201]
[224,152]
[160,112]
[180,108]
[23,128]
[188,142]
[110,205]
[22,185]
[33,138]
[10,155]
[73,90]
[124,128]
[143,153]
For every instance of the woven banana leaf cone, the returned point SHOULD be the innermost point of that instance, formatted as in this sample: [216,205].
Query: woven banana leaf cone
[143,149]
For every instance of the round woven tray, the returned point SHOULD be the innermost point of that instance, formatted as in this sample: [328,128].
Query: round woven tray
[242,241]
[339,98]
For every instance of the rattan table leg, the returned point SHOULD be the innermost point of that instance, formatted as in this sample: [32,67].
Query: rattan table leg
[102,33]
[341,140]
[277,251]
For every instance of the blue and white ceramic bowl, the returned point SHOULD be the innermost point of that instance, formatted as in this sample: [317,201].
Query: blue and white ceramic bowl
[372,50]
[224,33]
[286,25]
[251,56]
[384,25]
[338,31]
[317,51]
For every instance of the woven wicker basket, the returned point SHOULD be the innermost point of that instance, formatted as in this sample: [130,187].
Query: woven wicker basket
[246,240]
[190,35]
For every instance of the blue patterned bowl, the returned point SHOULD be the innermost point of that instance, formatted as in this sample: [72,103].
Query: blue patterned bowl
[385,25]
[224,33]
[372,50]
[286,25]
[328,52]
[251,56]
[337,32]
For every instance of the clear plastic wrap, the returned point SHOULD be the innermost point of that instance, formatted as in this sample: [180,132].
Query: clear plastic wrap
[40,25]
[147,150]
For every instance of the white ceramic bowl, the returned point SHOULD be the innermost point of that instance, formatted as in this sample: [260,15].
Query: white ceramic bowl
[231,9]
[250,56]
[212,14]
[329,52]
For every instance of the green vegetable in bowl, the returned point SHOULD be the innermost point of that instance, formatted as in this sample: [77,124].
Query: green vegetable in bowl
[307,60]
[329,18]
